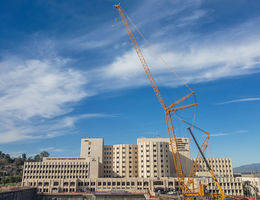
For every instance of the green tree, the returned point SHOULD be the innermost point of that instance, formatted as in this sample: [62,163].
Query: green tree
[37,158]
[246,188]
[23,157]
[7,158]
[1,154]
[18,161]
[44,154]
[30,159]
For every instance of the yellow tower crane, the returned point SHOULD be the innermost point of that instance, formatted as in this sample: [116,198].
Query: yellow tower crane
[169,112]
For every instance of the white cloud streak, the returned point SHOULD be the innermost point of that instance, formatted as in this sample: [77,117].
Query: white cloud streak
[52,149]
[219,134]
[241,100]
[230,133]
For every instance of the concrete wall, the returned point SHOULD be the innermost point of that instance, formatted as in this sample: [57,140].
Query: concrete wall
[23,194]
[91,197]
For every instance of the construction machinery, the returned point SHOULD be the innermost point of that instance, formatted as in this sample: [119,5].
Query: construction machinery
[187,190]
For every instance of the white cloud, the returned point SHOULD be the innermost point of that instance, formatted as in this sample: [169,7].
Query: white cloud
[199,64]
[219,134]
[242,131]
[230,133]
[37,95]
[71,120]
[33,93]
[194,16]
[43,128]
[196,57]
[52,149]
[35,88]
[241,100]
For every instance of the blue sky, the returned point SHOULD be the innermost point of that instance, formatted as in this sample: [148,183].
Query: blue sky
[68,71]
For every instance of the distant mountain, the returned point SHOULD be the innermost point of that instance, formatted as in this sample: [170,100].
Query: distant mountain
[252,168]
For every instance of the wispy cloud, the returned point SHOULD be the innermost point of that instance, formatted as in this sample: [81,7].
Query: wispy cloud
[219,134]
[240,100]
[37,88]
[36,96]
[43,128]
[229,133]
[226,53]
[242,131]
[52,149]
[206,63]
[70,121]
[203,57]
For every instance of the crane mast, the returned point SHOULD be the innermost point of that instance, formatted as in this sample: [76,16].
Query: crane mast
[169,112]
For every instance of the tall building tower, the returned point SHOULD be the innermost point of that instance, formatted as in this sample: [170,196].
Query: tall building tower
[155,157]
[93,148]
[120,160]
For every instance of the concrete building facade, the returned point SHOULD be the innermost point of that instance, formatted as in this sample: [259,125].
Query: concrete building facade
[156,160]
[254,182]
[222,167]
[93,148]
[147,165]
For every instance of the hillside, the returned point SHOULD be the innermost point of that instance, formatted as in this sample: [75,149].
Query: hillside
[11,169]
[252,168]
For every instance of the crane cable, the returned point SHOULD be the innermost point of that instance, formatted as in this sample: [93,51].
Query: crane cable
[170,68]
[156,52]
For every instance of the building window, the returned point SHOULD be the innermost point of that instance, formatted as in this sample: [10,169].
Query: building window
[56,183]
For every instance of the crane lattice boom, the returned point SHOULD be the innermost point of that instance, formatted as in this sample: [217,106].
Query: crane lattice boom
[169,112]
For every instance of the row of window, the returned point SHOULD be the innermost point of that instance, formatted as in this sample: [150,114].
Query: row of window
[54,177]
[215,170]
[216,161]
[148,166]
[217,166]
[154,155]
[147,150]
[225,184]
[155,171]
[55,172]
[73,190]
[142,160]
[109,183]
[227,191]
[124,147]
[54,166]
[154,145]
[123,172]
